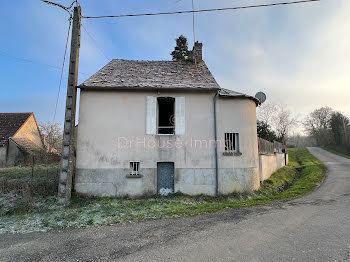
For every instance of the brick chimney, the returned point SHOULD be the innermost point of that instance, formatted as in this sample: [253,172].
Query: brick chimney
[197,51]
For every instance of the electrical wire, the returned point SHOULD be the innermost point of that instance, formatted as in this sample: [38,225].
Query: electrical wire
[193,25]
[66,8]
[32,61]
[95,43]
[201,10]
[61,76]
[29,61]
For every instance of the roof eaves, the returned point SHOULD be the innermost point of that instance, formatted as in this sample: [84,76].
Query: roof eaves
[225,93]
[129,88]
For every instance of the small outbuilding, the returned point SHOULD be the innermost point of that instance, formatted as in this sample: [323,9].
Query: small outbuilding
[19,137]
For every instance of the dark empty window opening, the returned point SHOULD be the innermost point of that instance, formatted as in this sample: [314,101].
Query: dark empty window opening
[232,142]
[166,117]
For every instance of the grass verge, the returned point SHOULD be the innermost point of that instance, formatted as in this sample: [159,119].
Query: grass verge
[303,173]
[331,150]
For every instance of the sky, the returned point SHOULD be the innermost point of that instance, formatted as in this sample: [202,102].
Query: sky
[299,55]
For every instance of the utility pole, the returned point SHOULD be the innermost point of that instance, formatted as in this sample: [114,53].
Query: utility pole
[67,165]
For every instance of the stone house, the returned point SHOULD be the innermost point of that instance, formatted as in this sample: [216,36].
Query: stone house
[19,136]
[150,126]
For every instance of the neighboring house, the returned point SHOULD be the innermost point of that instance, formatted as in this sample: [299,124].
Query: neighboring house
[47,147]
[19,136]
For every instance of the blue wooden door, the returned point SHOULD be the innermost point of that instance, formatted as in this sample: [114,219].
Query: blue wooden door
[165,176]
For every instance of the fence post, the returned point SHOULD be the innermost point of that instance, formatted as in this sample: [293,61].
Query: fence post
[33,163]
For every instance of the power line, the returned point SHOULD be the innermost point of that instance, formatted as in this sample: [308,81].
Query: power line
[66,8]
[32,61]
[193,25]
[29,61]
[61,76]
[95,44]
[201,10]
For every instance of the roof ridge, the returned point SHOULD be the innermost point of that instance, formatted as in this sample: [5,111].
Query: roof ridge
[141,60]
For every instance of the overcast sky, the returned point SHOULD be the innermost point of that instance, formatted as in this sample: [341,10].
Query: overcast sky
[299,55]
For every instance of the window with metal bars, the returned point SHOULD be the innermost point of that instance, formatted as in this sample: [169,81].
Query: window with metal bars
[134,168]
[232,142]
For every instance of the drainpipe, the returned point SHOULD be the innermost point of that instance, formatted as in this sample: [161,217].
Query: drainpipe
[216,149]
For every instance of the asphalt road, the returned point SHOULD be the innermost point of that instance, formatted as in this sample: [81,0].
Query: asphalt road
[315,227]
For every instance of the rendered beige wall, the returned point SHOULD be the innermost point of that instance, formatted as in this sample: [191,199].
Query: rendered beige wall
[270,164]
[238,173]
[108,116]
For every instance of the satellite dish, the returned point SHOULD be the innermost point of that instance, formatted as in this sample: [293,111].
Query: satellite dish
[261,96]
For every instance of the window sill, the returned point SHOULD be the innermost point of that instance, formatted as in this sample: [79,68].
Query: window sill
[133,176]
[231,153]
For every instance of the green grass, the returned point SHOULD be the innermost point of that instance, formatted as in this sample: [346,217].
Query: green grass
[331,150]
[25,172]
[287,182]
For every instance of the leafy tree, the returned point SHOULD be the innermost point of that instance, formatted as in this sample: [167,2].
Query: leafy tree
[338,123]
[265,131]
[181,52]
[317,123]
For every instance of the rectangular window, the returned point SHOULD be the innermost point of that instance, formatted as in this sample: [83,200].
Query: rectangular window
[166,116]
[134,168]
[232,142]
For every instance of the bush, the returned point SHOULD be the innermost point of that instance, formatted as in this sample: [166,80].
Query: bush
[19,191]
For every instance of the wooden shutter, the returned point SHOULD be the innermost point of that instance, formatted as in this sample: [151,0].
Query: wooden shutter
[180,119]
[151,115]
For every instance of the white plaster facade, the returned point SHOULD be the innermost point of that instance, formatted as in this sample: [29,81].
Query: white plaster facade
[109,117]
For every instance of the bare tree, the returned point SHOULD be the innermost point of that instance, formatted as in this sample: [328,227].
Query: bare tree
[283,121]
[53,135]
[278,118]
[266,112]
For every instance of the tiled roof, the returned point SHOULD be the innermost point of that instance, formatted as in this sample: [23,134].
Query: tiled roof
[26,144]
[10,123]
[133,74]
[230,93]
